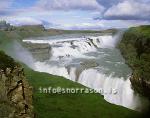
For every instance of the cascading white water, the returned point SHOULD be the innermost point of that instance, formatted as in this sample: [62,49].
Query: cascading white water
[123,95]
[55,70]
[73,52]
[75,47]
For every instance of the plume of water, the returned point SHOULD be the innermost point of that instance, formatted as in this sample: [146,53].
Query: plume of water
[21,54]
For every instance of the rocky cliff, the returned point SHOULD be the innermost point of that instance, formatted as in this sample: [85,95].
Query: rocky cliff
[40,52]
[15,91]
[135,47]
[5,26]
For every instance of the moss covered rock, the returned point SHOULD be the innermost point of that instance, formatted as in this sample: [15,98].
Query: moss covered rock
[135,47]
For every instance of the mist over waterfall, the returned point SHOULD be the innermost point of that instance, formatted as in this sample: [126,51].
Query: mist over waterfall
[20,53]
[93,61]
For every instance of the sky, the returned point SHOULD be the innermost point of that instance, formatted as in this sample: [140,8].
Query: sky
[76,14]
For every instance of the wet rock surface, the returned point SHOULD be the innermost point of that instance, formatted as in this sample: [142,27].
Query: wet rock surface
[140,85]
[15,94]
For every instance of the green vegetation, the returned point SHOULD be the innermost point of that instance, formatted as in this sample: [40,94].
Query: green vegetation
[38,31]
[135,47]
[6,61]
[70,105]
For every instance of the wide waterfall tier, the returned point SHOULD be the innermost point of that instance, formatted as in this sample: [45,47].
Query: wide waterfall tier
[75,47]
[92,61]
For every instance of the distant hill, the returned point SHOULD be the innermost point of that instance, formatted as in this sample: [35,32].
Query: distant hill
[27,31]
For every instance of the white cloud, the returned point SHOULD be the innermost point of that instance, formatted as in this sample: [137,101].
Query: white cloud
[129,10]
[17,21]
[122,23]
[82,26]
[78,14]
[70,4]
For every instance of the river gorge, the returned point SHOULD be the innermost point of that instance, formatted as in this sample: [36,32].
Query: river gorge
[89,59]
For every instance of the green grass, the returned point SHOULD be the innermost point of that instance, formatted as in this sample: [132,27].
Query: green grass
[143,30]
[70,105]
[6,61]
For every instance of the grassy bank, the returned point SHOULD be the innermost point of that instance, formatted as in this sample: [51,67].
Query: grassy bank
[70,105]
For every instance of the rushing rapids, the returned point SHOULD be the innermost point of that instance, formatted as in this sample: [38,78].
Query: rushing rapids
[94,62]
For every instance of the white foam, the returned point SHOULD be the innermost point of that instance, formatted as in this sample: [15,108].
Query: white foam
[124,95]
[72,74]
[75,47]
[55,70]
[50,41]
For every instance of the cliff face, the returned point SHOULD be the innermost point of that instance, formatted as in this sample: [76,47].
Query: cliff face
[5,26]
[15,93]
[135,47]
[140,84]
[40,52]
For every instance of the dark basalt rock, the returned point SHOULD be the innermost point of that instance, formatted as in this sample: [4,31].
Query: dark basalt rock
[140,85]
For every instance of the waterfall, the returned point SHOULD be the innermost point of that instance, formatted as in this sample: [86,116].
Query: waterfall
[73,52]
[123,95]
[75,47]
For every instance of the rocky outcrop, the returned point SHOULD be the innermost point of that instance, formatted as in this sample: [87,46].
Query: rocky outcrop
[5,26]
[40,52]
[15,94]
[141,85]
